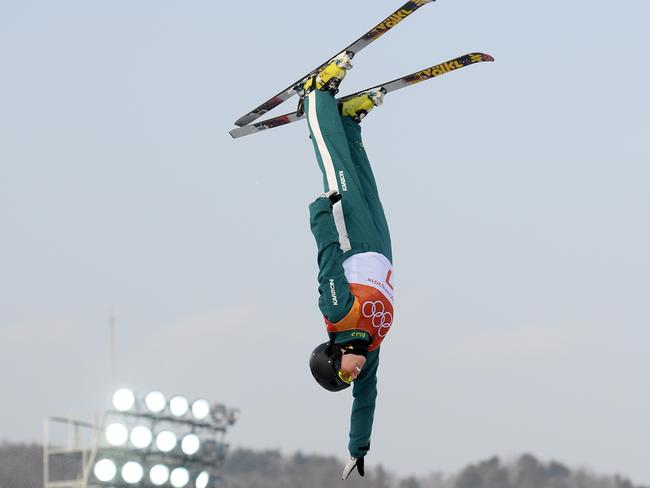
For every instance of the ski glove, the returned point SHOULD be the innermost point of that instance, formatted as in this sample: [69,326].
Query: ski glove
[333,196]
[353,463]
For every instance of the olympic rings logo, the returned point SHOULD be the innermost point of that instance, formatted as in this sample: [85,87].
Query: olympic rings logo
[380,318]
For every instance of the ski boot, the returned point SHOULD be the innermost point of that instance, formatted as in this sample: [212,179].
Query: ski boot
[358,107]
[331,76]
[328,79]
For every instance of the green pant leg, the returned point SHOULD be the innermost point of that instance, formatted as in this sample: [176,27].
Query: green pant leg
[363,407]
[353,217]
[368,183]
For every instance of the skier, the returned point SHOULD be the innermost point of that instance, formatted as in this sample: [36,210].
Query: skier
[354,252]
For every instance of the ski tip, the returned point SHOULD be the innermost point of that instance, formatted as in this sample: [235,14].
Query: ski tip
[245,120]
[487,57]
[238,132]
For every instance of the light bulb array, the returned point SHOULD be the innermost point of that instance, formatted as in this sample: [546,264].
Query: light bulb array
[178,406]
[153,441]
[134,473]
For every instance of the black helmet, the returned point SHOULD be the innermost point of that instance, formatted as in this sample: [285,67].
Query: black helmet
[325,363]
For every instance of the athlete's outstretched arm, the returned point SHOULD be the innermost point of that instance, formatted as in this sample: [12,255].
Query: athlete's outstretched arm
[363,407]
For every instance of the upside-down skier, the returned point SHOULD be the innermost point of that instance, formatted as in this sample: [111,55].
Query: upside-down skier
[354,252]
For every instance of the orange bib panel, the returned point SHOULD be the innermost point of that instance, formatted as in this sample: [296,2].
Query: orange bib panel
[369,276]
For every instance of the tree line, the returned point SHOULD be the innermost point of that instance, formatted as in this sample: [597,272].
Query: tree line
[21,466]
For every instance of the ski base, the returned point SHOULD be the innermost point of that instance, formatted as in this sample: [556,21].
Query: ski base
[397,84]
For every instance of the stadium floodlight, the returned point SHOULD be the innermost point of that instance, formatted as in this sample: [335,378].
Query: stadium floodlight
[105,470]
[155,402]
[159,474]
[132,472]
[117,434]
[190,444]
[141,437]
[179,477]
[123,400]
[179,406]
[202,480]
[232,416]
[166,441]
[219,413]
[200,409]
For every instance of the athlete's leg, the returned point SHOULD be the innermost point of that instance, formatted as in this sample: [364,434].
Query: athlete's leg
[367,180]
[352,216]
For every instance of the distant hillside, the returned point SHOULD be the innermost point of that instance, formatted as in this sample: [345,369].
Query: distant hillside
[269,469]
[21,466]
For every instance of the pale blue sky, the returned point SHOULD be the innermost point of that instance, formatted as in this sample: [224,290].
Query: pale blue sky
[517,194]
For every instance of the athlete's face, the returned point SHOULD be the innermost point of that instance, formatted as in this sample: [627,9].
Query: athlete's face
[352,364]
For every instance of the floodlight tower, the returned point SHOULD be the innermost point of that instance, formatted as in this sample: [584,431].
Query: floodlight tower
[149,442]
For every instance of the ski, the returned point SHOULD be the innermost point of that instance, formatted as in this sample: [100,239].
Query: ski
[399,83]
[373,34]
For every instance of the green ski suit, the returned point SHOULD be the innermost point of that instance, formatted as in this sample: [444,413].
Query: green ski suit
[354,252]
